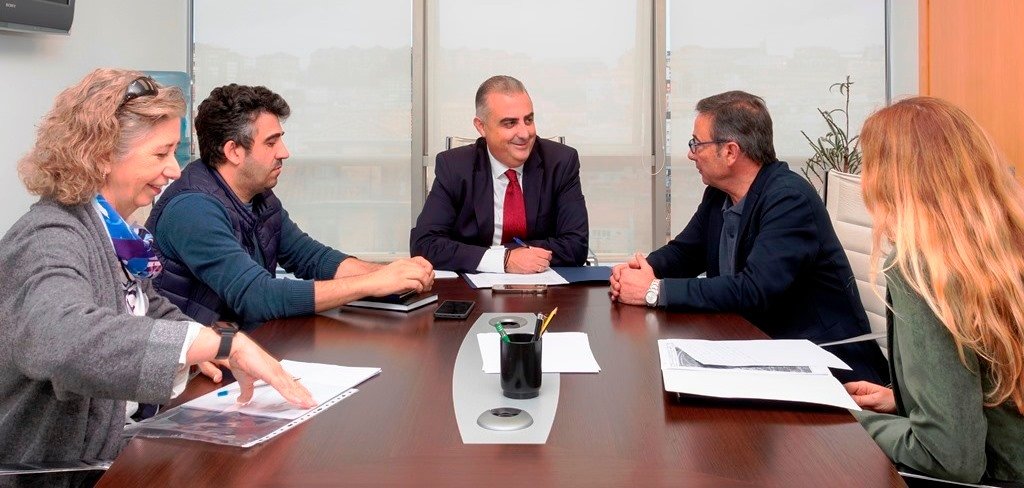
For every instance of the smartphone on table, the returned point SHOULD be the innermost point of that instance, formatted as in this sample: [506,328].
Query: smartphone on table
[454,309]
[521,289]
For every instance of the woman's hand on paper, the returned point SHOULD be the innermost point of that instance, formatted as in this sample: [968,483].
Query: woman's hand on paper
[249,362]
[872,397]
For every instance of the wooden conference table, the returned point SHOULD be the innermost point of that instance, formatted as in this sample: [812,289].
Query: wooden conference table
[614,428]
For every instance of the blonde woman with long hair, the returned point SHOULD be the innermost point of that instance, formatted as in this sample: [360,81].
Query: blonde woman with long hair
[954,217]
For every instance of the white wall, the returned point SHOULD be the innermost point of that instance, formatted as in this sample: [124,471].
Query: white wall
[34,68]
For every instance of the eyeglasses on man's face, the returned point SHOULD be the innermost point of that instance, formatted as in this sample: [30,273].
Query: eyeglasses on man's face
[143,86]
[694,143]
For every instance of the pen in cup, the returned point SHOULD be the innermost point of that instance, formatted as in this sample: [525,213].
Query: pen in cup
[547,320]
[501,331]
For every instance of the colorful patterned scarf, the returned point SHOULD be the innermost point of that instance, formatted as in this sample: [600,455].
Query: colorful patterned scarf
[133,245]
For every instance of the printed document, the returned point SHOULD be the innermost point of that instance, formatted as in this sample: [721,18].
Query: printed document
[217,418]
[769,352]
[324,381]
[801,380]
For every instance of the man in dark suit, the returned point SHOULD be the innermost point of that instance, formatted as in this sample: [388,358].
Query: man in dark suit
[762,235]
[510,203]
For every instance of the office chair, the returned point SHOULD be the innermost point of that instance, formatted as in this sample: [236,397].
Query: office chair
[852,224]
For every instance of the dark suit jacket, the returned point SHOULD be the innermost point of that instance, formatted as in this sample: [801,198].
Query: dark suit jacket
[456,225]
[792,278]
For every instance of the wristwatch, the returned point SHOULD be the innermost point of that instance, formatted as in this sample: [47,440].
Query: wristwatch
[651,298]
[227,332]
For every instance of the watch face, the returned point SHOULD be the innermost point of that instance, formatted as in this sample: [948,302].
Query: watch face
[651,298]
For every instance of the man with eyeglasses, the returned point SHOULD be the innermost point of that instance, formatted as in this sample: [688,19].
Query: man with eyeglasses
[764,239]
[221,232]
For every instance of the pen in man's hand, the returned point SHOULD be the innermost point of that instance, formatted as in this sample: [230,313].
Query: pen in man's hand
[520,242]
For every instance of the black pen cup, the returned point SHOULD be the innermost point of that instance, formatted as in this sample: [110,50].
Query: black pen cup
[521,366]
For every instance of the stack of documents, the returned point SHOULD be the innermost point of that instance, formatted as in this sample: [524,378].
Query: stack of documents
[216,417]
[563,352]
[789,370]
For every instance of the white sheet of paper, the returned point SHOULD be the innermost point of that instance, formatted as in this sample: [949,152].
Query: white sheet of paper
[563,352]
[777,352]
[440,274]
[811,384]
[324,382]
[824,389]
[487,280]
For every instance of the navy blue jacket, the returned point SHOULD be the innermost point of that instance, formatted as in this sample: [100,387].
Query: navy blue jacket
[792,278]
[456,225]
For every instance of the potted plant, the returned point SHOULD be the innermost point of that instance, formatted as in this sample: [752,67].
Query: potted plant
[835,150]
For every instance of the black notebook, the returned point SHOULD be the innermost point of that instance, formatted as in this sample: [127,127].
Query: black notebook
[400,302]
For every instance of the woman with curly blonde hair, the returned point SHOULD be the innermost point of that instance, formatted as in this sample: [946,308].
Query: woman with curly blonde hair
[954,216]
[81,329]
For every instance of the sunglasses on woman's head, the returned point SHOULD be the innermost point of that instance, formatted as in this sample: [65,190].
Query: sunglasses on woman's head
[143,86]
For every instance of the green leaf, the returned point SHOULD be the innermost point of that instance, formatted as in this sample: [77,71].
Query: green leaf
[836,149]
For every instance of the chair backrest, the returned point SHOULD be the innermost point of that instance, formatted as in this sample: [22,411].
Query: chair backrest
[852,222]
[456,141]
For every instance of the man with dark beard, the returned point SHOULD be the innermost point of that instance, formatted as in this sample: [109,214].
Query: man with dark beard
[221,232]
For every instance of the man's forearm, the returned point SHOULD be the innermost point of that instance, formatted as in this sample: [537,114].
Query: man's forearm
[352,266]
[328,294]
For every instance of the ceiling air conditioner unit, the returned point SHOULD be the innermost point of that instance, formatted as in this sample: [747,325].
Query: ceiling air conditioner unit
[52,16]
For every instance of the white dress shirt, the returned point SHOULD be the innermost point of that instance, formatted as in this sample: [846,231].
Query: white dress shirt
[494,258]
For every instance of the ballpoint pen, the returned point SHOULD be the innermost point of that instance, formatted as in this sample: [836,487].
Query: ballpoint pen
[547,320]
[520,242]
[537,326]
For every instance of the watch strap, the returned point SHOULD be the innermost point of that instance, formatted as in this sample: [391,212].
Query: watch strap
[227,334]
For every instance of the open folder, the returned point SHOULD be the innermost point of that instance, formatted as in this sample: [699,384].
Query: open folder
[783,370]
[216,417]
